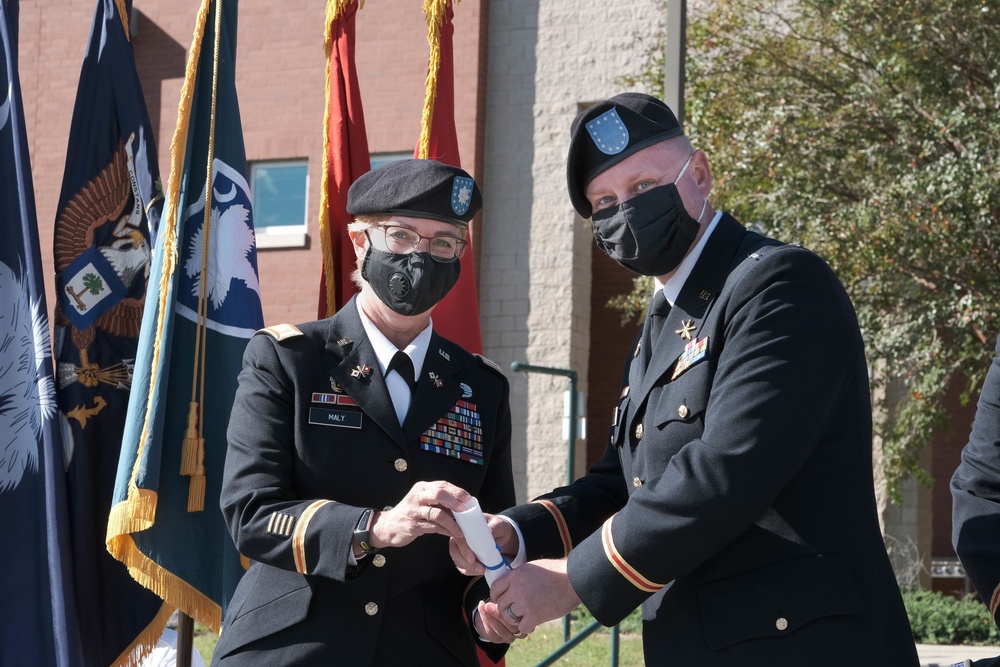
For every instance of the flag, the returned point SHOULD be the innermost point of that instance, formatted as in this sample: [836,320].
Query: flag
[457,316]
[202,305]
[109,206]
[345,156]
[38,624]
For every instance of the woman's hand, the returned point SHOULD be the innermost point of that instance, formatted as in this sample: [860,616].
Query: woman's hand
[465,559]
[427,508]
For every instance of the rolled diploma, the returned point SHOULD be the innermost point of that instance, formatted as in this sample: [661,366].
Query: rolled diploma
[478,535]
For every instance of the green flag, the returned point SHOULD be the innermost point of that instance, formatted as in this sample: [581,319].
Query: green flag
[202,305]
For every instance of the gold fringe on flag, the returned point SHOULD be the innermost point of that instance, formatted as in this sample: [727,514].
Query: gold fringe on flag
[140,648]
[436,12]
[123,15]
[334,10]
[138,511]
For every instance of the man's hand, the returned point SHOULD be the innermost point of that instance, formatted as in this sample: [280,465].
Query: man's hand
[530,595]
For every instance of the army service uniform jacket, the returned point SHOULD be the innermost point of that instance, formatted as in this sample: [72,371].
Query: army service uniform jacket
[313,441]
[735,500]
[975,492]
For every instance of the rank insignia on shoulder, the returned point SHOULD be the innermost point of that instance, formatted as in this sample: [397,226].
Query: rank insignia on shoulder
[281,331]
[489,363]
[693,352]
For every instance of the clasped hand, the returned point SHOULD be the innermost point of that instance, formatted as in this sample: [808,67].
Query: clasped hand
[523,598]
[425,509]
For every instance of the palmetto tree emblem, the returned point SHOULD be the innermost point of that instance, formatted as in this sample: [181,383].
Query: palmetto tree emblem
[91,283]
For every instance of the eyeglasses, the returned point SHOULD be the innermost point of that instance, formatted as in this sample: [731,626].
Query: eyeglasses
[403,240]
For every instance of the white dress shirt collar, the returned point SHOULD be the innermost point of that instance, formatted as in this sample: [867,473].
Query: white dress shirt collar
[672,288]
[384,349]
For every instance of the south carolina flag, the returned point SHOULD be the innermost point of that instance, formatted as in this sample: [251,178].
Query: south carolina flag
[38,613]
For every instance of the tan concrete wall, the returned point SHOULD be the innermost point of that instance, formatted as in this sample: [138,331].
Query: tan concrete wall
[545,60]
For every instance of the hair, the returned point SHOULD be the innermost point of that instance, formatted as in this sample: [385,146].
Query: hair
[359,225]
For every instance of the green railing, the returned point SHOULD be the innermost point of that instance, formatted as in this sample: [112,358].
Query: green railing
[569,643]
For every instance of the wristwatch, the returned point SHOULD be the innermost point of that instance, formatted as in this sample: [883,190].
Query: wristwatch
[361,531]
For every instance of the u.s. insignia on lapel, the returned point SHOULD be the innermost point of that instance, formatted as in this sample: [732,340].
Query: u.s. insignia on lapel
[438,382]
[693,352]
[361,372]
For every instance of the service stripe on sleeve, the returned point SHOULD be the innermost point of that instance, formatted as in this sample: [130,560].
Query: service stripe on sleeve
[560,524]
[995,601]
[622,565]
[299,536]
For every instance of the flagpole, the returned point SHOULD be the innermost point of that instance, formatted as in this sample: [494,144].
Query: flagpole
[185,639]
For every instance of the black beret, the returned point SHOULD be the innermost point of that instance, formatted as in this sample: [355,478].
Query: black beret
[610,131]
[418,189]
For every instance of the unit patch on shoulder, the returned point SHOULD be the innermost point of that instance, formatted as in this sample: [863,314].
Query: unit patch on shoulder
[490,364]
[281,331]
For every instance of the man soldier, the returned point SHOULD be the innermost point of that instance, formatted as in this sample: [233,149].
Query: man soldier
[351,442]
[735,500]
[975,493]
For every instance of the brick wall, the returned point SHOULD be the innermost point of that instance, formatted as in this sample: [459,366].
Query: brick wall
[281,66]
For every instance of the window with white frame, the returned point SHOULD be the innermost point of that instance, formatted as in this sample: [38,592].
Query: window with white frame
[280,202]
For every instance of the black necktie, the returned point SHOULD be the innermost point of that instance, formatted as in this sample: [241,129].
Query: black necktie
[402,364]
[658,311]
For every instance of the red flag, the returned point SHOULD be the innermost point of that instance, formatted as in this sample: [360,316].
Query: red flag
[345,153]
[457,316]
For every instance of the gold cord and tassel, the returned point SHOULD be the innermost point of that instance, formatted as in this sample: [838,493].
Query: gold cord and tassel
[436,12]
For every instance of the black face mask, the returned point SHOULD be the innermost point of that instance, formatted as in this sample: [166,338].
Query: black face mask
[409,284]
[648,234]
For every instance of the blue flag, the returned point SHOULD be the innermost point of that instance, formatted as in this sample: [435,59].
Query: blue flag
[38,614]
[202,306]
[109,205]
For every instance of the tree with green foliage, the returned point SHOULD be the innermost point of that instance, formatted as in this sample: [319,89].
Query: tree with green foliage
[868,131]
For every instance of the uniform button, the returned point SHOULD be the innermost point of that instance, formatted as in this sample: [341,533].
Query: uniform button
[638,432]
[682,412]
[400,465]
[636,482]
[378,560]
[371,608]
[781,623]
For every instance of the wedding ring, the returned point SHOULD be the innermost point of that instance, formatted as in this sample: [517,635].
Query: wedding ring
[514,617]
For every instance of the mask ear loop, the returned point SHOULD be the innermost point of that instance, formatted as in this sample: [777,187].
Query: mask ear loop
[704,204]
[684,168]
